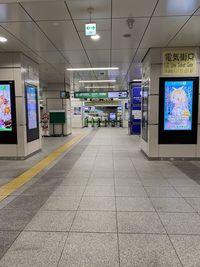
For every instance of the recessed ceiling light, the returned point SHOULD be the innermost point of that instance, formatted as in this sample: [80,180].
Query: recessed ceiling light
[99,81]
[85,69]
[127,35]
[3,39]
[95,37]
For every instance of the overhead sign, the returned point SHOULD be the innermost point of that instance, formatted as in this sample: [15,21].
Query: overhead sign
[91,95]
[90,29]
[120,94]
[105,102]
[179,62]
[100,95]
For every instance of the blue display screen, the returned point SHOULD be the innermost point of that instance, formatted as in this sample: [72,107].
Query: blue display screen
[178,101]
[32,107]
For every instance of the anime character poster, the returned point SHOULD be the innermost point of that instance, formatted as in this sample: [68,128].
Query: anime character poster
[32,107]
[5,108]
[178,100]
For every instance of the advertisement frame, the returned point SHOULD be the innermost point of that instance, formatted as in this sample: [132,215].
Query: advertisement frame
[178,136]
[32,134]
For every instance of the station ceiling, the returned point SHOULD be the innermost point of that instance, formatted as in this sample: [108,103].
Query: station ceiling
[52,33]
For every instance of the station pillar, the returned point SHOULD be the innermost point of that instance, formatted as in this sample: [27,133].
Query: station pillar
[170,96]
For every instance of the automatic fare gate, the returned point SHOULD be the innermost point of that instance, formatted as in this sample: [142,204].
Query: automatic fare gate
[135,108]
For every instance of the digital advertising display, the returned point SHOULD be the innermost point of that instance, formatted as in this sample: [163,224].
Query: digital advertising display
[178,104]
[178,110]
[112,116]
[32,107]
[32,112]
[5,108]
[8,132]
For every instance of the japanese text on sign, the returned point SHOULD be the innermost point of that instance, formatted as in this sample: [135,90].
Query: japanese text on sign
[179,62]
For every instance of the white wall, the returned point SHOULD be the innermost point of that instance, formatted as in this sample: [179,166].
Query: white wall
[52,101]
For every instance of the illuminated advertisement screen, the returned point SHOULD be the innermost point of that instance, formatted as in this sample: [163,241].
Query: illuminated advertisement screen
[5,108]
[32,113]
[32,107]
[178,104]
[112,116]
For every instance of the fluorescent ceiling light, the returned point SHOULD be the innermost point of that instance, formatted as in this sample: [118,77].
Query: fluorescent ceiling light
[95,37]
[137,80]
[99,81]
[99,87]
[3,39]
[83,69]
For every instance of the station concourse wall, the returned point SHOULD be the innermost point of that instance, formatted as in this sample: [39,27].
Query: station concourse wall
[52,101]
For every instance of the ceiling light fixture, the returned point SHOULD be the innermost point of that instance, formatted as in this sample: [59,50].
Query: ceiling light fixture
[137,80]
[100,87]
[3,39]
[95,37]
[98,81]
[86,69]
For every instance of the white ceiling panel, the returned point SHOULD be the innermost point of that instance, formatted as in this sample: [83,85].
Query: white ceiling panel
[30,34]
[176,7]
[102,43]
[47,10]
[140,55]
[122,55]
[12,44]
[62,33]
[34,57]
[161,30]
[102,25]
[197,13]
[79,8]
[133,8]
[100,56]
[135,72]
[120,28]
[12,12]
[189,35]
[77,56]
[52,57]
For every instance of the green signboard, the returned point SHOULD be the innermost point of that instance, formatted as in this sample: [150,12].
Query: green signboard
[57,117]
[91,95]
[100,95]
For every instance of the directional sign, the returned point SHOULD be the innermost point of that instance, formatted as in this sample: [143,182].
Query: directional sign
[90,29]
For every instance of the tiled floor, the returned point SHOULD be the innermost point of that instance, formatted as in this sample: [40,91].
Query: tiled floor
[104,204]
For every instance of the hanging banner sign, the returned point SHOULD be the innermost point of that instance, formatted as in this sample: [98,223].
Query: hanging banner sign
[106,102]
[179,62]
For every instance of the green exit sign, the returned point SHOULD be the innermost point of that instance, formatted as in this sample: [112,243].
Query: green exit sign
[90,29]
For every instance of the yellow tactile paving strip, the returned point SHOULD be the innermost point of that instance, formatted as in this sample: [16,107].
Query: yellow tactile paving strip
[19,181]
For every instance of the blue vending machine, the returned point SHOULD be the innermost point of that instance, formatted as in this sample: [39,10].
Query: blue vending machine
[135,108]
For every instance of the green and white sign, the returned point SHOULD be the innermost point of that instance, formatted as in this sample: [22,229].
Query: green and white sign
[90,95]
[90,29]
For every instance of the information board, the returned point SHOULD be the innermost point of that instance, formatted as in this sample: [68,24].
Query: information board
[118,94]
[100,95]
